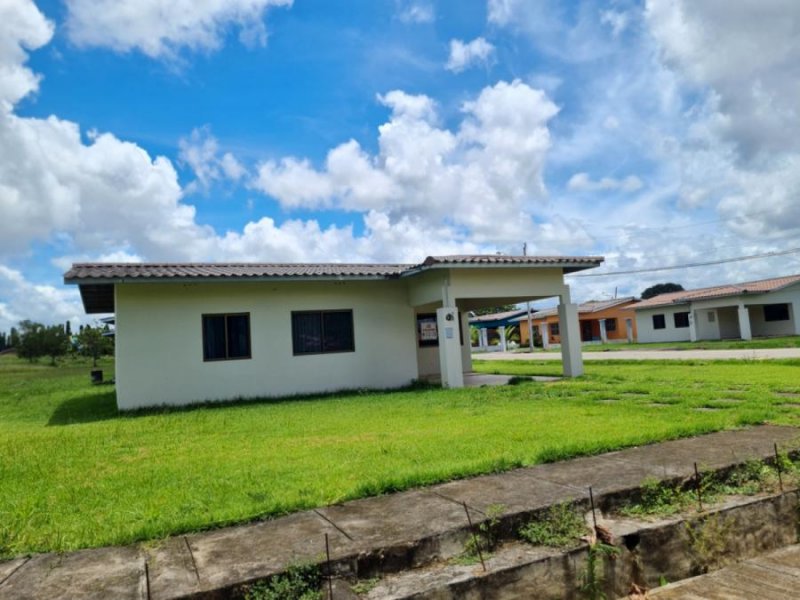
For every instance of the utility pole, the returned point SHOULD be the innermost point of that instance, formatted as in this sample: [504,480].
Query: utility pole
[528,305]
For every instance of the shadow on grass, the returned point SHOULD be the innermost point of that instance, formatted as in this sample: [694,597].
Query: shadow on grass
[103,407]
[86,409]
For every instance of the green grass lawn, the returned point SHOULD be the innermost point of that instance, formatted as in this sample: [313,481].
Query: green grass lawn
[773,342]
[76,474]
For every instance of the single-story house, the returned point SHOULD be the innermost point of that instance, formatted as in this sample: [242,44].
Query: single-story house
[206,332]
[600,321]
[769,307]
[495,323]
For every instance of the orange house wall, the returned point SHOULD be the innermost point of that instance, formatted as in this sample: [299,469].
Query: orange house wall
[616,312]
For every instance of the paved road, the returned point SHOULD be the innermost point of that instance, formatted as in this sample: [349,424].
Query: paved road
[753,354]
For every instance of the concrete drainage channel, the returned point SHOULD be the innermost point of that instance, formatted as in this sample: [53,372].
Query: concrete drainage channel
[647,554]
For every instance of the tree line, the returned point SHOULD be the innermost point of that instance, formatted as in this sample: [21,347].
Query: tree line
[33,341]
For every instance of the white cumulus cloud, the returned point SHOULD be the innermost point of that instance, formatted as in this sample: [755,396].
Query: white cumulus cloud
[160,28]
[582,182]
[200,152]
[465,55]
[485,177]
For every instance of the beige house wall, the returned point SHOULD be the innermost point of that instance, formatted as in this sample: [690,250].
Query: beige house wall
[160,351]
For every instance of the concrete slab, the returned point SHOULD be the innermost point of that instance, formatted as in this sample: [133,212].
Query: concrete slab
[603,474]
[401,531]
[171,569]
[516,492]
[8,568]
[249,552]
[775,576]
[117,573]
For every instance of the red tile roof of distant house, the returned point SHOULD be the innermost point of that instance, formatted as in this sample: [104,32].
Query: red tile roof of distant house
[761,286]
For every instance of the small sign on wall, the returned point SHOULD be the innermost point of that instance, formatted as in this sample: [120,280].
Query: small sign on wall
[427,331]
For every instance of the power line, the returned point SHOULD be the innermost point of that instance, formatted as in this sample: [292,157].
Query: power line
[690,265]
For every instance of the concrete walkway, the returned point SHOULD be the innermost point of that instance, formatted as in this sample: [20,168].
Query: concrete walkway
[386,533]
[775,576]
[752,354]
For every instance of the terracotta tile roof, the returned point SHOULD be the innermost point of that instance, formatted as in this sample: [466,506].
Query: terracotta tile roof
[110,271]
[762,286]
[89,271]
[96,280]
[591,306]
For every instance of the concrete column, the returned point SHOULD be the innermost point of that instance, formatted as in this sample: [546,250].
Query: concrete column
[796,317]
[603,333]
[629,330]
[569,328]
[744,323]
[545,335]
[692,327]
[449,347]
[502,331]
[482,342]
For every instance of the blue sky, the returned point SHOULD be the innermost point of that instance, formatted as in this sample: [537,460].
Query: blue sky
[652,132]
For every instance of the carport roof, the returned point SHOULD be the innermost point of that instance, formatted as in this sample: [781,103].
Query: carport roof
[96,280]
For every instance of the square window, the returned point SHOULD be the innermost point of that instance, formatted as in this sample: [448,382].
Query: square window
[554,329]
[659,322]
[226,337]
[776,312]
[681,319]
[322,331]
[611,324]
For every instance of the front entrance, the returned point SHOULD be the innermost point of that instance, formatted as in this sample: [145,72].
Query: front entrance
[586,331]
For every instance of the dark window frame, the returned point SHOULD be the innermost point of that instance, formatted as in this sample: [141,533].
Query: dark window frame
[322,313]
[611,324]
[776,312]
[659,321]
[225,317]
[554,329]
[680,319]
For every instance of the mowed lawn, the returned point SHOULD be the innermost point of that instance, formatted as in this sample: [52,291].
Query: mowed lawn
[76,474]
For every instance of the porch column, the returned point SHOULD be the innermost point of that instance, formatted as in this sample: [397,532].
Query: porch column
[545,336]
[603,334]
[744,323]
[796,317]
[629,330]
[482,343]
[502,331]
[449,347]
[692,327]
[569,328]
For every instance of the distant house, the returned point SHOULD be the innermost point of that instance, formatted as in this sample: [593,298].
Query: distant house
[769,307]
[204,332]
[600,321]
[493,326]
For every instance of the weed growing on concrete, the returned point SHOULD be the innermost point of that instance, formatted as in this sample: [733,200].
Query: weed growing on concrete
[658,498]
[486,536]
[299,582]
[593,580]
[364,586]
[708,541]
[559,527]
[753,477]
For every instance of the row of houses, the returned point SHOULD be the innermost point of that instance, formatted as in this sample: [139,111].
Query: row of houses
[764,308]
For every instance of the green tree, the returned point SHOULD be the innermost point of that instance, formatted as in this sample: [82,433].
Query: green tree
[661,288]
[13,338]
[92,342]
[494,309]
[31,340]
[55,342]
